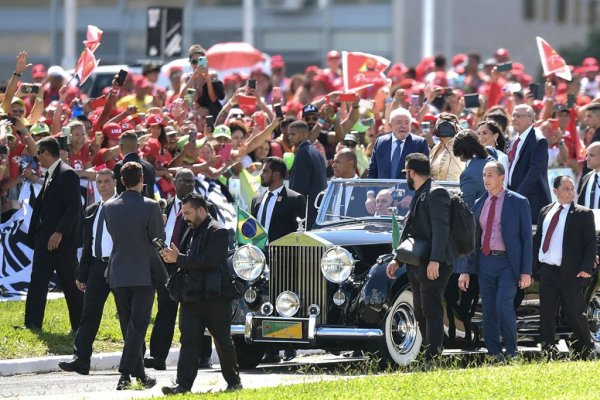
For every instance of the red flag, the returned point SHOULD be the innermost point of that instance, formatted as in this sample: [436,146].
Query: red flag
[94,35]
[552,62]
[362,70]
[86,65]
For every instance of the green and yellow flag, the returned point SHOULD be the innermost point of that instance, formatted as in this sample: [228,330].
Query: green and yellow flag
[395,233]
[249,185]
[249,231]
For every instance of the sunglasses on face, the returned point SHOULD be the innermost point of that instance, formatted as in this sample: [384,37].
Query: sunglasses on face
[194,61]
[18,111]
[350,144]
[311,118]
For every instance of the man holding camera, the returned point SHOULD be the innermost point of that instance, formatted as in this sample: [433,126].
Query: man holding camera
[204,296]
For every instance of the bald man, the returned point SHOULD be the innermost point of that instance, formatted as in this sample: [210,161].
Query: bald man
[589,186]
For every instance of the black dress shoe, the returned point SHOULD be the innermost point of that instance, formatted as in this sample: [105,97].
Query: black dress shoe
[271,357]
[157,364]
[147,382]
[289,355]
[75,366]
[234,388]
[124,382]
[167,390]
[204,363]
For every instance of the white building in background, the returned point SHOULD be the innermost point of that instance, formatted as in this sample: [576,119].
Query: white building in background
[304,30]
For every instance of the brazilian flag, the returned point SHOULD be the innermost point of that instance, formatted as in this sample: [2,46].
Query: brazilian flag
[249,230]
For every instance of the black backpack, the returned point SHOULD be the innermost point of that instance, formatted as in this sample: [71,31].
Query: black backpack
[462,224]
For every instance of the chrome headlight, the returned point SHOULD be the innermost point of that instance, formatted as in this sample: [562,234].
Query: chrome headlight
[337,264]
[249,262]
[287,304]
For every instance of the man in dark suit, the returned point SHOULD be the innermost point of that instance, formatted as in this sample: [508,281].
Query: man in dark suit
[344,166]
[308,176]
[134,268]
[528,161]
[97,245]
[503,237]
[428,220]
[55,232]
[592,120]
[564,247]
[276,210]
[589,185]
[129,147]
[206,303]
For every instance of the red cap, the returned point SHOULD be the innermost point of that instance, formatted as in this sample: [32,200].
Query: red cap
[439,79]
[502,53]
[407,83]
[112,130]
[293,107]
[333,54]
[396,71]
[312,68]
[432,119]
[127,124]
[152,148]
[154,119]
[231,79]
[38,71]
[277,61]
[589,64]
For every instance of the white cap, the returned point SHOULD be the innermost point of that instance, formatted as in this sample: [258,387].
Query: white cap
[57,70]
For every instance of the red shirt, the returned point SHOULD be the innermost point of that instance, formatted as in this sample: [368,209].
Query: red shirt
[14,159]
[78,160]
[99,159]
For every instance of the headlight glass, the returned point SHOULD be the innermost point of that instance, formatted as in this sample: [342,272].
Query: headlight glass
[287,304]
[337,264]
[248,262]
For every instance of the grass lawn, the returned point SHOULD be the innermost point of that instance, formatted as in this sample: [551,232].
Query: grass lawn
[54,339]
[537,380]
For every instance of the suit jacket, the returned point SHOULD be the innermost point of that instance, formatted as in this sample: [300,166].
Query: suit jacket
[380,165]
[515,222]
[471,180]
[88,236]
[356,204]
[430,221]
[288,206]
[582,188]
[133,221]
[149,174]
[530,175]
[579,241]
[58,208]
[308,177]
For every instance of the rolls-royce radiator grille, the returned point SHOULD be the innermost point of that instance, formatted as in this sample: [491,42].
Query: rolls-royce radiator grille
[298,269]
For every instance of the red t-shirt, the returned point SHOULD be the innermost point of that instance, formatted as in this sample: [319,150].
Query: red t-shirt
[14,159]
[99,159]
[78,160]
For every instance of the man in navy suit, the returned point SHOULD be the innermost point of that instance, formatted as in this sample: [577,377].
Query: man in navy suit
[504,258]
[528,161]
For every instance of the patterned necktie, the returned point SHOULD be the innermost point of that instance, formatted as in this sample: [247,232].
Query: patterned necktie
[487,236]
[551,228]
[396,160]
[513,151]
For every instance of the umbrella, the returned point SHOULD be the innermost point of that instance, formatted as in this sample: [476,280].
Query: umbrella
[232,55]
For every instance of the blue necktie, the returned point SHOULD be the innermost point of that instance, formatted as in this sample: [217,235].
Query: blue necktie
[396,160]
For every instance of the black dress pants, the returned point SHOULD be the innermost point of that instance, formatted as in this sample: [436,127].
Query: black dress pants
[427,302]
[64,261]
[134,306]
[94,298]
[216,316]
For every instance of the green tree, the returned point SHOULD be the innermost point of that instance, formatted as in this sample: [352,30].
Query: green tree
[575,54]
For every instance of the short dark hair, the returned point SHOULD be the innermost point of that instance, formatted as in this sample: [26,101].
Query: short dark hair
[299,125]
[467,146]
[499,118]
[106,171]
[50,145]
[419,163]
[131,174]
[495,127]
[558,180]
[196,49]
[349,155]
[277,165]
[287,122]
[195,201]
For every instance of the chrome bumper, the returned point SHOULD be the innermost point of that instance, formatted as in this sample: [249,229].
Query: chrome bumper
[314,332]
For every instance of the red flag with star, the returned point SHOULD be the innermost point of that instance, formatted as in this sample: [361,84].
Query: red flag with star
[86,65]
[552,62]
[363,70]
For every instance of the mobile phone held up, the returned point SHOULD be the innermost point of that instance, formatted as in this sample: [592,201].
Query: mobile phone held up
[210,122]
[226,152]
[121,77]
[159,244]
[190,96]
[278,111]
[471,100]
[251,83]
[504,67]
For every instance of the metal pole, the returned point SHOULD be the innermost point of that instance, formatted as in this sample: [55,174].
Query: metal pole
[54,56]
[188,25]
[123,33]
[70,33]
[427,28]
[248,22]
[398,33]
[449,28]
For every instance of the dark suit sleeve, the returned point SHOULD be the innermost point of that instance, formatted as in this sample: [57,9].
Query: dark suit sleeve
[468,187]
[210,257]
[71,202]
[588,228]
[439,215]
[302,164]
[525,236]
[373,173]
[156,228]
[299,206]
[537,165]
[86,254]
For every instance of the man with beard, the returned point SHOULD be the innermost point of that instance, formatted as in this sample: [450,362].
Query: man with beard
[429,220]
[279,205]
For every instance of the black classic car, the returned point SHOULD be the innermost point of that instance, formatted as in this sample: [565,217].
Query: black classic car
[327,288]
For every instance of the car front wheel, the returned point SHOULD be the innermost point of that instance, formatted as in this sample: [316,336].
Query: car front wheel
[593,315]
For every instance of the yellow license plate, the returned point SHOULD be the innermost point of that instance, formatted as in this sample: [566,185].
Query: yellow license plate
[282,329]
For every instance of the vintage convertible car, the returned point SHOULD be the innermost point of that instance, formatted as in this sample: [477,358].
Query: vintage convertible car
[327,288]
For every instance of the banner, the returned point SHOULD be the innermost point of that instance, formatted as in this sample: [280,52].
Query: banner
[552,62]
[362,70]
[86,64]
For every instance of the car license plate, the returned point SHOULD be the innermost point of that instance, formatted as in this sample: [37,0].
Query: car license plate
[282,329]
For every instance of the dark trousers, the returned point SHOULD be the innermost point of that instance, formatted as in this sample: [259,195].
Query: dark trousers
[569,292]
[427,301]
[164,327]
[134,306]
[64,261]
[216,316]
[498,288]
[94,297]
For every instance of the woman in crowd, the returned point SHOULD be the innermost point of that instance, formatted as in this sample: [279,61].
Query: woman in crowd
[490,134]
[445,166]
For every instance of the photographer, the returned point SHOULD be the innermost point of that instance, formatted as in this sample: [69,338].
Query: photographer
[445,166]
[204,294]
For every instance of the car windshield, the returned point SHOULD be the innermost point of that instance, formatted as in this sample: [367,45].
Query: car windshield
[347,199]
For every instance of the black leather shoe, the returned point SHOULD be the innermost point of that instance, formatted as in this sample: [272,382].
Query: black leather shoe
[234,388]
[204,363]
[124,382]
[271,357]
[75,366]
[147,382]
[157,364]
[167,390]
[289,355]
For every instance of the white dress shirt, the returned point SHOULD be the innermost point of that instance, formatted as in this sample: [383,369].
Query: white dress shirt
[588,191]
[51,170]
[270,206]
[522,139]
[395,142]
[107,243]
[554,254]
[337,202]
[170,225]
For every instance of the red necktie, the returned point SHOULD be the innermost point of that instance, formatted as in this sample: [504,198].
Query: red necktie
[487,236]
[513,151]
[551,228]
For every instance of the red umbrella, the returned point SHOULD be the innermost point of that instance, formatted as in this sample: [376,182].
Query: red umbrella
[231,55]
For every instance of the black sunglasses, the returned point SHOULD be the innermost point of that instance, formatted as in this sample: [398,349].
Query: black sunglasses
[194,61]
[350,144]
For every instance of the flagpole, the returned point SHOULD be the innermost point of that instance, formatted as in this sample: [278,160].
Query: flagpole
[69,32]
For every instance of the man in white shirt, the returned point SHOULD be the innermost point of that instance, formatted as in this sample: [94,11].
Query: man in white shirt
[564,248]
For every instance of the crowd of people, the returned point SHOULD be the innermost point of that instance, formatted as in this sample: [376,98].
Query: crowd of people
[483,123]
